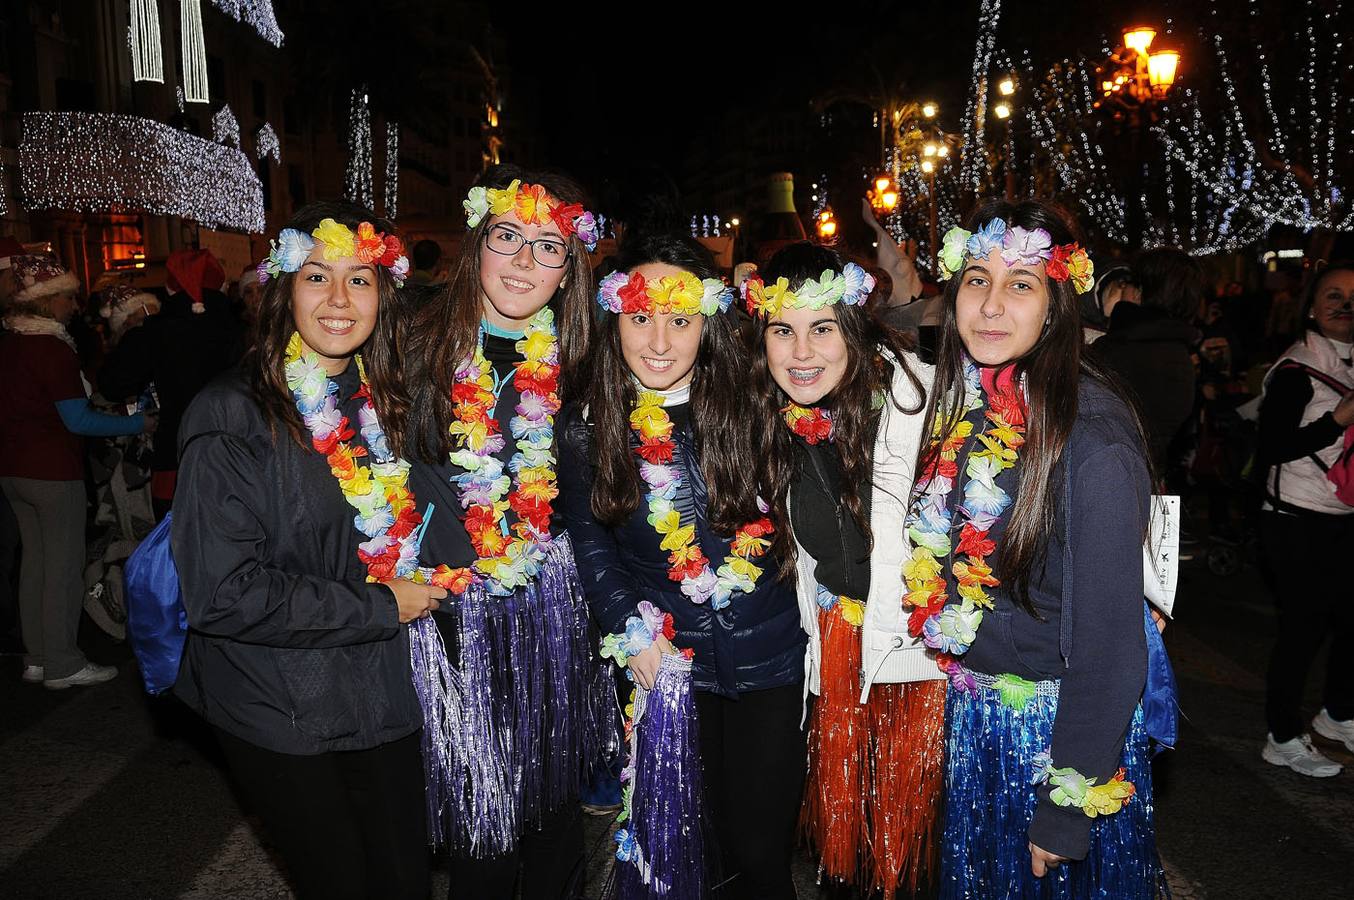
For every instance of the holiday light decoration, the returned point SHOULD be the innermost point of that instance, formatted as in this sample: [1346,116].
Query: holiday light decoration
[103,162]
[392,168]
[256,13]
[357,177]
[973,165]
[225,128]
[1269,165]
[194,52]
[266,144]
[143,39]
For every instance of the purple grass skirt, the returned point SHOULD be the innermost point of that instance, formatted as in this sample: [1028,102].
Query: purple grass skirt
[518,715]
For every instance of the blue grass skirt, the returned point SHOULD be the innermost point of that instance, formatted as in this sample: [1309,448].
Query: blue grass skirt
[989,803]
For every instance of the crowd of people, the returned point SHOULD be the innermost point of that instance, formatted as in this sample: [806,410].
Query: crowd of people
[818,556]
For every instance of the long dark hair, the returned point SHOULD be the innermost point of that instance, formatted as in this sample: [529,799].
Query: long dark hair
[855,415]
[274,325]
[445,329]
[1052,370]
[722,429]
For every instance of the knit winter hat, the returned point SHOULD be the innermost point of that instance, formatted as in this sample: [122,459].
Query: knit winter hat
[121,301]
[41,276]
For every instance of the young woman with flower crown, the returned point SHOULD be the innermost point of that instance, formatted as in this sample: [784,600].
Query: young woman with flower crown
[294,537]
[662,502]
[516,703]
[841,398]
[1025,573]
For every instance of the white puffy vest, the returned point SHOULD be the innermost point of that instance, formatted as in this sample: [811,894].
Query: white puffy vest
[1302,482]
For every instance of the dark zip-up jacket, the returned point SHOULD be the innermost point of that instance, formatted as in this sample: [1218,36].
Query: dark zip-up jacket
[289,648]
[1088,594]
[752,644]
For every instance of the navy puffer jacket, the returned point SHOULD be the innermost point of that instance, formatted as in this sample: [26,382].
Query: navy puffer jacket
[752,644]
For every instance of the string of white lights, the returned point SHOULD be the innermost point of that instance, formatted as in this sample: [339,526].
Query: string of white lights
[143,38]
[357,185]
[266,144]
[225,127]
[392,186]
[973,161]
[257,13]
[194,47]
[103,162]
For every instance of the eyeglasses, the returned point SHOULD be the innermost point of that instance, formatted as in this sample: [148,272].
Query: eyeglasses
[546,251]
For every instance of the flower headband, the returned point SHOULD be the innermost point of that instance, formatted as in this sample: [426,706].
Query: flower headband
[682,293]
[532,205]
[1027,246]
[292,247]
[850,287]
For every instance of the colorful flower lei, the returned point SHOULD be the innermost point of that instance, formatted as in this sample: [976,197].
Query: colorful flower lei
[508,558]
[813,425]
[290,250]
[380,492]
[1026,246]
[850,287]
[682,294]
[686,563]
[1071,788]
[852,610]
[532,204]
[950,628]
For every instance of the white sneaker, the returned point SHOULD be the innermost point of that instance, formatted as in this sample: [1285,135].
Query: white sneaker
[1300,756]
[1327,727]
[33,674]
[90,674]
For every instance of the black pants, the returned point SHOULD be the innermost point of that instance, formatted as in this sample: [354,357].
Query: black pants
[753,759]
[549,858]
[348,824]
[1302,558]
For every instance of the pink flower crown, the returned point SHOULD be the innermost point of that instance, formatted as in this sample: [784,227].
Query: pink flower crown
[1027,246]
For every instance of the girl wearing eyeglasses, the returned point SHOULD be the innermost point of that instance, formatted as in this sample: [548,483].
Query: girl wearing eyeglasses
[515,703]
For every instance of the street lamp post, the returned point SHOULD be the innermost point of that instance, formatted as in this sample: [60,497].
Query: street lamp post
[1134,81]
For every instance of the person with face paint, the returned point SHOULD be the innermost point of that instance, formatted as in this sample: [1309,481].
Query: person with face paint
[1305,417]
[840,399]
[517,705]
[290,481]
[662,500]
[1024,573]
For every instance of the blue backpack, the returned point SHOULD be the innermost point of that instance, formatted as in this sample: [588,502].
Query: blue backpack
[157,623]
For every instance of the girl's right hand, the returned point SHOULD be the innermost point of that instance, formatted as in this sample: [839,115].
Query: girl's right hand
[1344,412]
[644,665]
[415,600]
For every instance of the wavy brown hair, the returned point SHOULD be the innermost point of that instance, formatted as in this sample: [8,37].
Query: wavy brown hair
[445,329]
[274,325]
[855,415]
[1052,371]
[722,429]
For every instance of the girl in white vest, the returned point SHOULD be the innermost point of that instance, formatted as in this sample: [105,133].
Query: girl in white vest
[843,399]
[1308,405]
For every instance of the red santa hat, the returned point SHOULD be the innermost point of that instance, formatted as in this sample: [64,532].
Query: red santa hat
[192,271]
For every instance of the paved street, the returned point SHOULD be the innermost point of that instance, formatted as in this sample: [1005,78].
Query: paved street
[107,794]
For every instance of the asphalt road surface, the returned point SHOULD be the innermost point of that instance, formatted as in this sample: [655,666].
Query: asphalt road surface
[105,793]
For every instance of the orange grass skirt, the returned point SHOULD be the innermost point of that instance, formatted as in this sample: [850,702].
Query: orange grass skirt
[872,804]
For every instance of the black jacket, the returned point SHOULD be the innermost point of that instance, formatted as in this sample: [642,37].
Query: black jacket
[180,351]
[752,644]
[289,647]
[1150,354]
